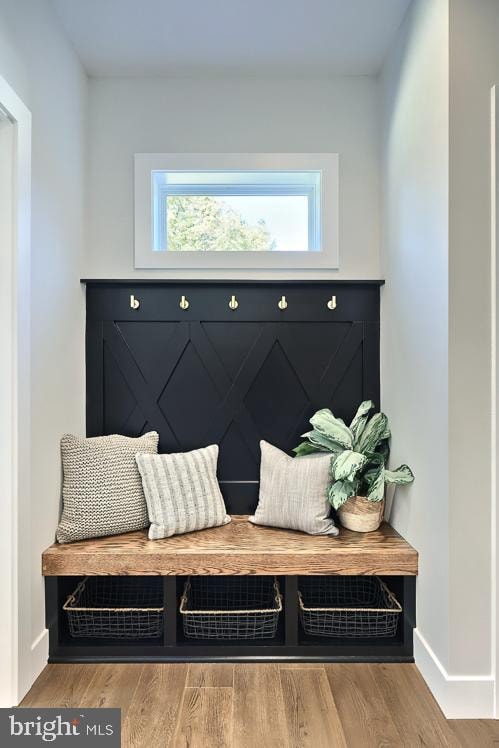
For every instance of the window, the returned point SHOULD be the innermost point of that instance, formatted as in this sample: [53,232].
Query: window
[236,210]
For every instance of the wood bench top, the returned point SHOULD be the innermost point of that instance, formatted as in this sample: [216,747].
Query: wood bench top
[237,548]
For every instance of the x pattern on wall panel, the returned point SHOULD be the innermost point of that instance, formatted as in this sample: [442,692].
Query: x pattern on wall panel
[233,383]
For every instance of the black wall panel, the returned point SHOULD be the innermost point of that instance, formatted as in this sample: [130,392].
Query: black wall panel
[211,374]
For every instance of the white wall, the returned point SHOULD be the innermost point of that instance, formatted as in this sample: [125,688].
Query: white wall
[474,69]
[414,261]
[231,115]
[436,332]
[40,65]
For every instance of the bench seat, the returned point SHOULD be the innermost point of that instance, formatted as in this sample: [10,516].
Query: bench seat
[237,548]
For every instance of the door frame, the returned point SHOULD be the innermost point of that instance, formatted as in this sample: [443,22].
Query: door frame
[494,276]
[15,431]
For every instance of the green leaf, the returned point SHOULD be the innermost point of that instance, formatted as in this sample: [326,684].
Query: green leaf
[322,442]
[374,432]
[376,484]
[306,448]
[401,475]
[331,428]
[383,450]
[360,419]
[340,491]
[347,465]
[375,458]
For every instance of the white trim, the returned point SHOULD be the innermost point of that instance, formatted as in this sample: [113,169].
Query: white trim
[326,163]
[39,654]
[494,524]
[459,696]
[15,551]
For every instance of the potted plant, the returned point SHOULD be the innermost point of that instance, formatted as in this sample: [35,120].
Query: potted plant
[358,465]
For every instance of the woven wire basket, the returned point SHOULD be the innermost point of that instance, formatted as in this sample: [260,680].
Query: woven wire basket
[116,608]
[231,607]
[348,607]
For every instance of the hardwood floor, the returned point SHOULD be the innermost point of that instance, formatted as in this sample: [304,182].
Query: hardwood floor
[263,705]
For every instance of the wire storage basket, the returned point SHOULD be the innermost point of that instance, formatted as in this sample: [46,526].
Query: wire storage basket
[231,607]
[116,608]
[348,607]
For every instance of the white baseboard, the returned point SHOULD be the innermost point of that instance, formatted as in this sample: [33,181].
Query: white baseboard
[39,654]
[459,696]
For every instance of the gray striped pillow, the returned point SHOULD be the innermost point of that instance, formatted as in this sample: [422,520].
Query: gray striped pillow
[182,491]
[293,492]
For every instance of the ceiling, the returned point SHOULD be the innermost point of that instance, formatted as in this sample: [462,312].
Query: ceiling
[231,37]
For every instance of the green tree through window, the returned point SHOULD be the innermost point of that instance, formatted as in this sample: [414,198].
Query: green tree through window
[200,222]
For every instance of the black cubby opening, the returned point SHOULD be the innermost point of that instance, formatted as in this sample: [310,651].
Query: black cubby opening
[185,641]
[397,587]
[67,585]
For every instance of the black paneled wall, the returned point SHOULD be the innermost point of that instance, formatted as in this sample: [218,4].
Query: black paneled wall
[212,374]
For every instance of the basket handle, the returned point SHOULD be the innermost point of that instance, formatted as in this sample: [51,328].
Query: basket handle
[75,596]
[391,596]
[183,599]
[277,596]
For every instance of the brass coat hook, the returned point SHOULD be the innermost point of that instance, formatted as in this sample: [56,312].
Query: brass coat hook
[134,303]
[331,304]
[184,304]
[233,303]
[282,303]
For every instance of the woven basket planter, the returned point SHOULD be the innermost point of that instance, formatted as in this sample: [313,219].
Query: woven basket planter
[361,515]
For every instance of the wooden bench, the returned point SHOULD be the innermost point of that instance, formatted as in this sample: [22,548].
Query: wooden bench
[237,548]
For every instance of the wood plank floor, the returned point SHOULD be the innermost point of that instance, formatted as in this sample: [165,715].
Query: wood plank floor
[263,705]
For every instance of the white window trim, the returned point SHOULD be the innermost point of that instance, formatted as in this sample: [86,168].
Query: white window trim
[326,257]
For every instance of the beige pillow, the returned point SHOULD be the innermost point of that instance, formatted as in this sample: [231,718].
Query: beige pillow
[293,492]
[102,490]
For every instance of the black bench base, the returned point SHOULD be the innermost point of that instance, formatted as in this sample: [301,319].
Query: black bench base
[292,644]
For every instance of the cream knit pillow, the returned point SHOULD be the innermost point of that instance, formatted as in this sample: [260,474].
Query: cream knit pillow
[102,491]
